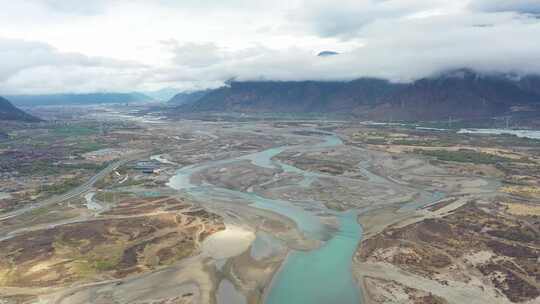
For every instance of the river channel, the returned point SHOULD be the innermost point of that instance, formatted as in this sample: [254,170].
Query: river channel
[319,276]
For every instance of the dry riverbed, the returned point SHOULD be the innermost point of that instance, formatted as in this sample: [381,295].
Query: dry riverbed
[445,218]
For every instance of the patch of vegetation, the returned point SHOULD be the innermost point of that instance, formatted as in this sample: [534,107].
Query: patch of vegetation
[110,197]
[440,141]
[99,259]
[38,212]
[39,167]
[7,276]
[87,146]
[69,131]
[464,156]
[524,191]
[83,269]
[85,166]
[104,265]
[455,124]
[63,187]
[103,182]
[181,252]
[376,141]
[410,142]
[513,140]
[132,182]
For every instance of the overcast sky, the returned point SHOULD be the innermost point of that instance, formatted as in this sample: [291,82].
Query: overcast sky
[127,45]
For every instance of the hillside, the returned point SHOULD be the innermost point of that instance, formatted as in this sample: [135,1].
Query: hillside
[305,96]
[187,97]
[10,112]
[458,94]
[164,94]
[77,99]
[461,95]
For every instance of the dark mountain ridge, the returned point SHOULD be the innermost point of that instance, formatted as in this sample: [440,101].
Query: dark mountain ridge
[458,94]
[301,96]
[9,112]
[468,95]
[187,97]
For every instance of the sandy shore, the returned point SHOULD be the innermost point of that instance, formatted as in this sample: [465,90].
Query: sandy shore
[227,243]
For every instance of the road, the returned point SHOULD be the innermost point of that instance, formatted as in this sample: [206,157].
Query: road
[72,193]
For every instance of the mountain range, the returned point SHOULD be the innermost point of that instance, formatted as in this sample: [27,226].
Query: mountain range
[458,94]
[187,98]
[164,94]
[77,99]
[9,112]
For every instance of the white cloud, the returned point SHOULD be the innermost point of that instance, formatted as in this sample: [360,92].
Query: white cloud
[346,18]
[27,66]
[197,55]
[61,45]
[92,7]
[519,6]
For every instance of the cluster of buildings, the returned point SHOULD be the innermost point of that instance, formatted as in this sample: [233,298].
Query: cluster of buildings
[147,166]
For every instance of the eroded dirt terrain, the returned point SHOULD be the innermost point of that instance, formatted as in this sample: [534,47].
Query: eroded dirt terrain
[472,244]
[445,217]
[134,237]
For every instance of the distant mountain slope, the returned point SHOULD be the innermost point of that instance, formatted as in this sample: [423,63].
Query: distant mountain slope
[77,99]
[457,94]
[304,96]
[530,84]
[461,95]
[10,112]
[187,97]
[164,94]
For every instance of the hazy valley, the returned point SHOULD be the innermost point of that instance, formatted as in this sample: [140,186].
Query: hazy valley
[270,152]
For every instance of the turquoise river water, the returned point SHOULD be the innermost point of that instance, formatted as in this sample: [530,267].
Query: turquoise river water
[320,276]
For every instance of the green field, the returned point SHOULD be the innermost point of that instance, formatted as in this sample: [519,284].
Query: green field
[465,156]
[69,131]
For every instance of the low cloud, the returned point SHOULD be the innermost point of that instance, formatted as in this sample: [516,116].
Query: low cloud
[518,6]
[417,48]
[29,67]
[208,42]
[196,55]
[92,7]
[347,18]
